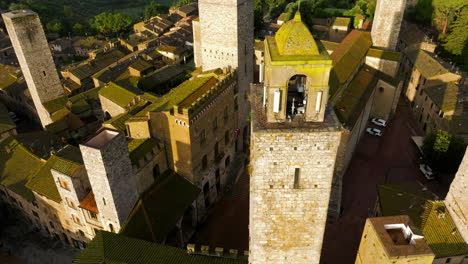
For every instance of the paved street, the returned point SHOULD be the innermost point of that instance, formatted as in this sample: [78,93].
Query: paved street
[227,224]
[391,158]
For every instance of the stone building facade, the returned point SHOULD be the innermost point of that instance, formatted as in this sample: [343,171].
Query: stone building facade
[456,200]
[387,22]
[295,139]
[35,58]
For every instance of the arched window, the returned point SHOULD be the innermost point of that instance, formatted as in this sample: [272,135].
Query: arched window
[296,102]
[111,228]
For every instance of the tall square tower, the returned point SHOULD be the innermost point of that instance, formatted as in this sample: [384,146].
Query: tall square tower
[295,139]
[33,52]
[111,177]
[387,23]
[224,38]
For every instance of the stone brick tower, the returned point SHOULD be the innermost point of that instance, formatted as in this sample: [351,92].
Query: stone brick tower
[111,177]
[387,23]
[33,52]
[457,198]
[295,138]
[223,38]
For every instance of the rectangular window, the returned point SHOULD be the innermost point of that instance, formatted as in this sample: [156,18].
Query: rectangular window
[236,105]
[202,137]
[76,219]
[215,124]
[35,214]
[226,114]
[226,138]
[64,184]
[204,162]
[297,175]
[276,101]
[93,215]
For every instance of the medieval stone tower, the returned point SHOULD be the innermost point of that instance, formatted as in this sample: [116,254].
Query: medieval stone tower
[33,52]
[387,23]
[457,198]
[111,177]
[223,38]
[295,137]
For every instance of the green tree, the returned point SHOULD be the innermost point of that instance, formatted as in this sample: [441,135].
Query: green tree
[54,27]
[154,9]
[18,6]
[457,38]
[79,29]
[443,152]
[446,9]
[111,24]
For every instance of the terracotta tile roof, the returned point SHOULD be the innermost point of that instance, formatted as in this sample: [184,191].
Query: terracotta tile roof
[89,203]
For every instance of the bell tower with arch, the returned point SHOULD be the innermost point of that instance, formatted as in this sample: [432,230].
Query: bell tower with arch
[294,145]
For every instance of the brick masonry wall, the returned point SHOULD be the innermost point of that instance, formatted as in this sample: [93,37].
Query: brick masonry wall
[287,224]
[457,198]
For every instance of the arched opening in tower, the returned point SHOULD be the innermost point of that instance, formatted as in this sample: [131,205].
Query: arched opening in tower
[296,102]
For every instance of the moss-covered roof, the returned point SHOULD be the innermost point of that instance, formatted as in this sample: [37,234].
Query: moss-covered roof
[84,71]
[176,95]
[112,248]
[404,198]
[170,49]
[9,75]
[161,75]
[56,104]
[118,94]
[6,124]
[66,161]
[353,100]
[349,54]
[138,148]
[426,64]
[118,122]
[283,17]
[294,38]
[329,45]
[158,211]
[341,22]
[445,96]
[17,167]
[259,45]
[441,233]
[384,54]
[140,65]
[92,94]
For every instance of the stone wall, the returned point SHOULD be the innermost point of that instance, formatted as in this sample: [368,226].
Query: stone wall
[110,107]
[35,58]
[287,212]
[387,23]
[111,176]
[457,198]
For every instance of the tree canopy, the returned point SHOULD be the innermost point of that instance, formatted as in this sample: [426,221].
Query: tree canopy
[457,39]
[110,24]
[443,151]
[155,9]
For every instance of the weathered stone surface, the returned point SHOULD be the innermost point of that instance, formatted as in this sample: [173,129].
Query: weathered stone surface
[457,198]
[387,23]
[287,222]
[33,52]
[111,177]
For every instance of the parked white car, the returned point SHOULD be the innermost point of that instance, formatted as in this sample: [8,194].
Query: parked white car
[379,122]
[426,171]
[374,131]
